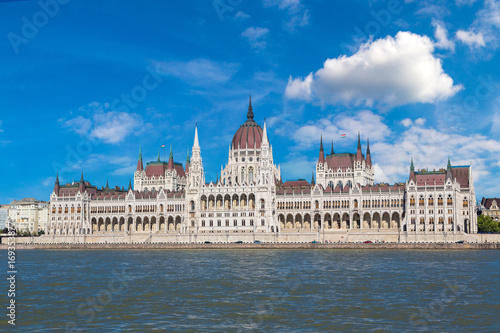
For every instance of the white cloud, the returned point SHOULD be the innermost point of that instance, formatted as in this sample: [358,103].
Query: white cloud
[199,72]
[294,168]
[297,14]
[461,3]
[241,15]
[104,124]
[331,128]
[420,122]
[1,130]
[256,36]
[471,38]
[388,71]
[406,122]
[299,88]
[441,35]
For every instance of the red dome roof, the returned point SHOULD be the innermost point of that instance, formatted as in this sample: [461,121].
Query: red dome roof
[249,135]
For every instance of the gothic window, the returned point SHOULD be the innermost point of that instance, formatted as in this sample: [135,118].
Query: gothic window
[449,200]
[211,223]
[262,204]
[250,175]
[431,201]
[243,223]
[203,223]
[262,222]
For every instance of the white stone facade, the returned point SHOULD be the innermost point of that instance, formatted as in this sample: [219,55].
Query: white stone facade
[249,198]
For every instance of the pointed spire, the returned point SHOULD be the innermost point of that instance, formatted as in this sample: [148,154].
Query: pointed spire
[170,159]
[368,155]
[448,167]
[188,160]
[139,160]
[449,173]
[81,179]
[158,159]
[107,184]
[332,152]
[321,158]
[412,171]
[265,140]
[250,111]
[81,186]
[56,185]
[312,179]
[196,143]
[359,154]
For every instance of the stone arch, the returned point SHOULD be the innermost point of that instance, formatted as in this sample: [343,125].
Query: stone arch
[289,221]
[328,221]
[162,224]
[178,223]
[356,221]
[204,202]
[298,221]
[107,224]
[367,221]
[153,223]
[94,224]
[170,224]
[385,221]
[251,201]
[235,201]
[114,224]
[145,225]
[121,225]
[218,202]
[376,221]
[346,223]
[317,221]
[395,221]
[336,223]
[211,202]
[243,201]
[227,202]
[307,221]
[281,220]
[130,224]
[138,224]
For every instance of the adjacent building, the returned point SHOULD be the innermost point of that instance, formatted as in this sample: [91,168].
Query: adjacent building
[29,214]
[4,214]
[491,207]
[250,197]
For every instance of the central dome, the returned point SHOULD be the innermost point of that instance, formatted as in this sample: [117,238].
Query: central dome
[249,135]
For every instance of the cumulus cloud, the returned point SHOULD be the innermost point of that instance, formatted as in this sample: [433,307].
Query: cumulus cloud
[299,88]
[441,35]
[470,38]
[388,72]
[406,122]
[461,3]
[104,124]
[256,36]
[331,128]
[199,72]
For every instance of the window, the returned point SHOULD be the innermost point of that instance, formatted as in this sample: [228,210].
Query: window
[243,223]
[219,223]
[203,223]
[262,204]
[251,223]
[211,223]
[235,223]
[227,223]
[250,175]
[262,223]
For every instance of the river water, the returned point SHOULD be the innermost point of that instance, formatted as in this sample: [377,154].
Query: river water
[255,290]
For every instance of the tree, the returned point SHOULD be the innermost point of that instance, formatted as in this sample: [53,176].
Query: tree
[487,225]
[41,232]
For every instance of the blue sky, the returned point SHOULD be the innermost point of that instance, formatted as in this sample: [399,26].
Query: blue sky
[85,83]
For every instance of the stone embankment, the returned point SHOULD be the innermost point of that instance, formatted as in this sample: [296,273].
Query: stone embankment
[233,246]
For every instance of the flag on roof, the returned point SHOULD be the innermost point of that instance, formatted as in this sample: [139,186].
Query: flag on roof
[162,146]
[343,136]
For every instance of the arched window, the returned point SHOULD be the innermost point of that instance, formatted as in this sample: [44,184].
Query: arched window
[211,223]
[355,204]
[466,202]
[262,204]
[203,223]
[192,205]
[449,200]
[431,201]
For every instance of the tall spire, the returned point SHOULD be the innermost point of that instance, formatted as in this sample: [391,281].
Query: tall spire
[321,158]
[158,158]
[449,173]
[359,154]
[188,161]
[107,184]
[312,179]
[139,161]
[129,184]
[56,185]
[332,152]
[81,186]
[448,167]
[170,159]
[368,155]
[250,111]
[196,143]
[265,140]
[81,179]
[412,171]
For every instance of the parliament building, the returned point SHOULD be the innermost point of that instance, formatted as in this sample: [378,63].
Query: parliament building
[249,197]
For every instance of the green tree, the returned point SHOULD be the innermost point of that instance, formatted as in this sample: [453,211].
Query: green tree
[486,224]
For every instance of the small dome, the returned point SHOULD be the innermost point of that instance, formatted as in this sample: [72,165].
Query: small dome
[249,135]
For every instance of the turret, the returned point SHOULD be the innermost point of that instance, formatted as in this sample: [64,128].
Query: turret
[139,161]
[449,173]
[368,155]
[321,158]
[312,179]
[187,162]
[170,159]
[81,185]
[359,154]
[56,185]
[129,184]
[332,152]
[250,110]
[412,171]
